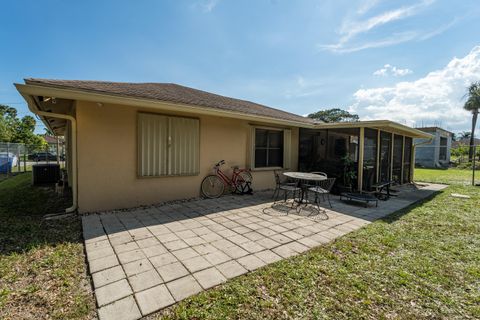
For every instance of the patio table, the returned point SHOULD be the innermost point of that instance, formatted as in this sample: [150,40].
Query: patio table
[304,176]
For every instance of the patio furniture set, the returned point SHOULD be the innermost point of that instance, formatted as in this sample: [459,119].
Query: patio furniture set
[299,185]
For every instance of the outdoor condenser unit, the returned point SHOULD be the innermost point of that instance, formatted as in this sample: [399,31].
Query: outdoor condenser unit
[45,173]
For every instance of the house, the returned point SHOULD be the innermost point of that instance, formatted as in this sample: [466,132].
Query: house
[434,153]
[56,144]
[131,144]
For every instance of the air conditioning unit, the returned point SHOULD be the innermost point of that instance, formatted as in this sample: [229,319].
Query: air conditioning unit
[45,173]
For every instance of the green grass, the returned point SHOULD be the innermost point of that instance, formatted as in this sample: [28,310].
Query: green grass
[42,265]
[446,176]
[420,263]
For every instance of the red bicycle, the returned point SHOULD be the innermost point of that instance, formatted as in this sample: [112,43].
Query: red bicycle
[213,185]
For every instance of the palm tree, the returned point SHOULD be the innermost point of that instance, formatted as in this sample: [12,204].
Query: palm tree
[465,134]
[473,105]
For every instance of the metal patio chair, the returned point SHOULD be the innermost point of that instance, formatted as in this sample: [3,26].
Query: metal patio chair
[282,184]
[308,185]
[322,188]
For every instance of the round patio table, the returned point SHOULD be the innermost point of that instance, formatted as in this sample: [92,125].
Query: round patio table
[304,176]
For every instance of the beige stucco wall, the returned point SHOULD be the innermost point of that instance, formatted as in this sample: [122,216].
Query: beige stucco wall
[107,157]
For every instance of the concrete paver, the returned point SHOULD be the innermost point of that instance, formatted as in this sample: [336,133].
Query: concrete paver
[112,292]
[146,259]
[145,280]
[231,269]
[172,271]
[251,262]
[209,277]
[125,309]
[154,299]
[184,287]
[107,276]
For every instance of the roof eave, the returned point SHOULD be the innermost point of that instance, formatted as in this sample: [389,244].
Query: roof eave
[39,90]
[378,124]
[33,105]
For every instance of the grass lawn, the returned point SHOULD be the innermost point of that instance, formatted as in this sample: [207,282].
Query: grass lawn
[420,263]
[450,176]
[423,262]
[42,266]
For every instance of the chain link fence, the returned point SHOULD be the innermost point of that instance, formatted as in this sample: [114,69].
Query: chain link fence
[16,158]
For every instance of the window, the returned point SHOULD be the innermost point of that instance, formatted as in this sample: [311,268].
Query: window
[167,145]
[443,149]
[271,148]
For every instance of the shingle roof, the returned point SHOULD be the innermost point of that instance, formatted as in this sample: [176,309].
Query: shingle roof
[170,92]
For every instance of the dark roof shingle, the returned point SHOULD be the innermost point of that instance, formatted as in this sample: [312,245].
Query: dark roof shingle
[170,92]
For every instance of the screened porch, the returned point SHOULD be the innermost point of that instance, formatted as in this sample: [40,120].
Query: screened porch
[357,155]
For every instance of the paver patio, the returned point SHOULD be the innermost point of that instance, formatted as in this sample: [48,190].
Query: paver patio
[145,259]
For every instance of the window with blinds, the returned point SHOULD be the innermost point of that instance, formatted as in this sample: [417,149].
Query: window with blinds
[167,146]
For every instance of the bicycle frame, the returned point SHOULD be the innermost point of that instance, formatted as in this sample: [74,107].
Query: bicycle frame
[226,180]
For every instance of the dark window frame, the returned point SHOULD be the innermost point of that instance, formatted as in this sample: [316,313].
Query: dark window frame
[268,148]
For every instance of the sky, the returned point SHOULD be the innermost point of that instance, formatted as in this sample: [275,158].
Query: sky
[406,61]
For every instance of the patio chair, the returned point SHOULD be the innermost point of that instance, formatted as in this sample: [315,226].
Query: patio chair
[308,185]
[282,184]
[323,188]
[320,173]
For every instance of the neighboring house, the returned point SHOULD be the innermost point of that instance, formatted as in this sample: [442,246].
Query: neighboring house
[131,144]
[56,144]
[52,140]
[436,153]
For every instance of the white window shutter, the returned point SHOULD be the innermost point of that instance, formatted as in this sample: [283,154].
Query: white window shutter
[184,146]
[168,145]
[152,145]
[287,148]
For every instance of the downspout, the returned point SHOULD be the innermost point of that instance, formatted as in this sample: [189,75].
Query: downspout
[73,122]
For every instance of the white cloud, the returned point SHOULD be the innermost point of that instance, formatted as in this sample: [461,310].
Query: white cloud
[436,97]
[366,6]
[352,28]
[392,70]
[394,39]
[205,5]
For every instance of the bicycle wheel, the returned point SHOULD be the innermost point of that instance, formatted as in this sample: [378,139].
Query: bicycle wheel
[247,176]
[212,186]
[243,182]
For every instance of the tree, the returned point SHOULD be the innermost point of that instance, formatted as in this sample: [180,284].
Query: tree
[465,135]
[334,115]
[8,120]
[473,105]
[15,130]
